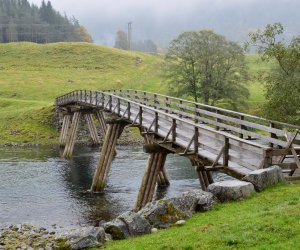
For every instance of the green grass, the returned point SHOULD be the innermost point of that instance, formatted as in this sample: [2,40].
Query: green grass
[268,220]
[32,75]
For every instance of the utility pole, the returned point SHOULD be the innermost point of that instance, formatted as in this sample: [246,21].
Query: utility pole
[129,35]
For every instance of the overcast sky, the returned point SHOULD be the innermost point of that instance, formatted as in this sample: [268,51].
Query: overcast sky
[163,20]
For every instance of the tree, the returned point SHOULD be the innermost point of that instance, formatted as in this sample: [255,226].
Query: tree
[205,65]
[283,81]
[21,21]
[85,36]
[121,40]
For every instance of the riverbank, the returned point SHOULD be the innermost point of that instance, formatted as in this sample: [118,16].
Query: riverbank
[267,220]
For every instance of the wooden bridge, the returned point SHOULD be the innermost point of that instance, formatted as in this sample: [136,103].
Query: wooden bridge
[212,138]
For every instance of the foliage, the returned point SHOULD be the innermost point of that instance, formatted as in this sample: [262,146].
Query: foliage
[145,46]
[283,82]
[121,40]
[268,220]
[21,21]
[206,65]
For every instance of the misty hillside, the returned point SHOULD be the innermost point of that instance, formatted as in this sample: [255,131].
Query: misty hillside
[162,21]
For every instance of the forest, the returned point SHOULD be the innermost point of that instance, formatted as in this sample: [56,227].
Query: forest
[21,21]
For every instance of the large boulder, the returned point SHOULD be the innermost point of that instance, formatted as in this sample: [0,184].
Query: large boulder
[263,178]
[117,229]
[136,224]
[204,200]
[231,190]
[85,237]
[161,213]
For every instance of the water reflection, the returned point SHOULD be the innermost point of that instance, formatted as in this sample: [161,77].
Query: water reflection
[39,187]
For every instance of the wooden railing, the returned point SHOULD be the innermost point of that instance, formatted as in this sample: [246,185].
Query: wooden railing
[243,125]
[199,129]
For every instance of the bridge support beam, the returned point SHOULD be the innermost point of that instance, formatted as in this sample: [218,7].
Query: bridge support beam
[113,132]
[204,176]
[68,151]
[154,167]
[64,130]
[92,128]
[162,178]
[101,120]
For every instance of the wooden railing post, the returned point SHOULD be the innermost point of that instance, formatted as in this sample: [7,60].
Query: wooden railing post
[196,140]
[156,123]
[167,105]
[173,130]
[243,127]
[226,152]
[129,112]
[145,98]
[272,135]
[141,116]
[180,108]
[155,101]
[110,103]
[103,100]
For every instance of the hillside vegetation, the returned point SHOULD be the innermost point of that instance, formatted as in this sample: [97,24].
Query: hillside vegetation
[268,220]
[32,75]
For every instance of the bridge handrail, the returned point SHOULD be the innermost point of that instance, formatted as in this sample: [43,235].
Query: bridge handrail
[128,93]
[197,125]
[213,108]
[219,115]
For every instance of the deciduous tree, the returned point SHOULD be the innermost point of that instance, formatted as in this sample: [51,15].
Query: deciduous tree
[207,66]
[283,81]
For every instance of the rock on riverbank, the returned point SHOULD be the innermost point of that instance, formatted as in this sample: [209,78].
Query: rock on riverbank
[29,237]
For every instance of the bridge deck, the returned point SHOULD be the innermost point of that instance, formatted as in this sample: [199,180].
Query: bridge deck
[214,134]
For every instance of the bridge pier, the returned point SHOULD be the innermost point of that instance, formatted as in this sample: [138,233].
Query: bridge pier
[154,168]
[162,178]
[64,130]
[114,130]
[101,120]
[204,176]
[92,128]
[68,151]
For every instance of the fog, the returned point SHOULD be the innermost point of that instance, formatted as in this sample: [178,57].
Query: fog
[163,20]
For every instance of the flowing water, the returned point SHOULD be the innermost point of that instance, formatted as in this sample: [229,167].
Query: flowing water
[37,186]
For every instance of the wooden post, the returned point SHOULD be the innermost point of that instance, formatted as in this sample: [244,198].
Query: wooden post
[64,130]
[154,166]
[68,151]
[92,129]
[113,132]
[163,179]
[226,152]
[204,176]
[102,122]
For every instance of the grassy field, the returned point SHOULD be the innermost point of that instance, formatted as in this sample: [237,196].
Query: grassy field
[32,75]
[268,220]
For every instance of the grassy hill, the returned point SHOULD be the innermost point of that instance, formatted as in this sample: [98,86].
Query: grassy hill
[32,75]
[268,220]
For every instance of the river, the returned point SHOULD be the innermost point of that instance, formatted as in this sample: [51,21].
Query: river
[38,187]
